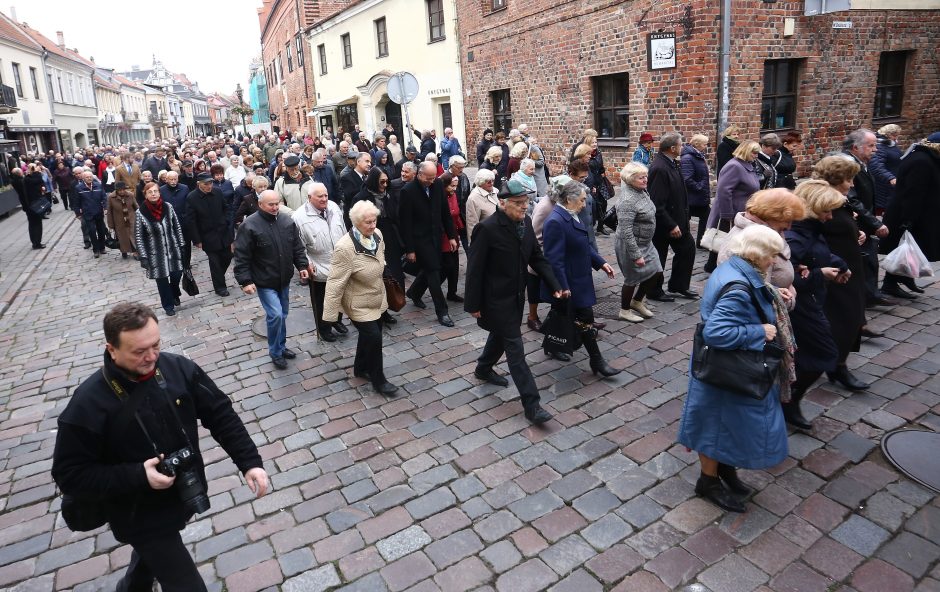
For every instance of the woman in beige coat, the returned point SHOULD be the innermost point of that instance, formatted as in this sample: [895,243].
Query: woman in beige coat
[122,211]
[482,201]
[355,287]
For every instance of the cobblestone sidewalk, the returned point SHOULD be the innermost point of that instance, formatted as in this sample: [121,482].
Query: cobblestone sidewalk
[447,487]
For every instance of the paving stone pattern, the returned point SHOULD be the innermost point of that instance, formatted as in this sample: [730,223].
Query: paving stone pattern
[447,487]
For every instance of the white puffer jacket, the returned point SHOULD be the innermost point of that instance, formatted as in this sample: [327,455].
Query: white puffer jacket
[319,236]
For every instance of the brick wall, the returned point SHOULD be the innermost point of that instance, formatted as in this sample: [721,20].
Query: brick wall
[546,51]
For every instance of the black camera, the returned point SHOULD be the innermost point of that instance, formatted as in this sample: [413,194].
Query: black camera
[181,464]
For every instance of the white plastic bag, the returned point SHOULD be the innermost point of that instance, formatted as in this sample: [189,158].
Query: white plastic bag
[907,259]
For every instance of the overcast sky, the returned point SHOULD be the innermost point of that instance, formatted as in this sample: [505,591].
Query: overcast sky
[211,42]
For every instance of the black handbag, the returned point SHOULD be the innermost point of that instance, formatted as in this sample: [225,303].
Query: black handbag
[610,218]
[188,282]
[561,334]
[112,242]
[410,267]
[40,206]
[743,372]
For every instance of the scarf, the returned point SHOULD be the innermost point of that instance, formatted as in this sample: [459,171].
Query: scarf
[367,243]
[156,208]
[784,338]
[379,200]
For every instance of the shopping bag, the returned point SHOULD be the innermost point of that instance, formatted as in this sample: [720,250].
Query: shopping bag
[561,334]
[188,282]
[907,259]
[713,239]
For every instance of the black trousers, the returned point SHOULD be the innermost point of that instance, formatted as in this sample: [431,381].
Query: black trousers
[97,232]
[514,349]
[369,351]
[218,265]
[700,212]
[533,284]
[165,559]
[450,270]
[186,256]
[319,293]
[683,259]
[64,194]
[870,265]
[429,278]
[34,226]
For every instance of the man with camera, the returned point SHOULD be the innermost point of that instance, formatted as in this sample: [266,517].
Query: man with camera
[127,453]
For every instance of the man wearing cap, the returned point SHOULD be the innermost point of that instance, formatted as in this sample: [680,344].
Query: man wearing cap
[504,245]
[207,218]
[267,250]
[411,155]
[423,219]
[187,177]
[291,185]
[644,152]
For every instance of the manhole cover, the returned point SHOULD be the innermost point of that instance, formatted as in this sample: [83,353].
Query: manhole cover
[607,307]
[916,453]
[299,322]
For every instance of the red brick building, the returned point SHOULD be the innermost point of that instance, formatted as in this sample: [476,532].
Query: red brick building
[285,55]
[563,66]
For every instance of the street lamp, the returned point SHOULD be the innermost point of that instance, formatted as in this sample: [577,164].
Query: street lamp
[241,103]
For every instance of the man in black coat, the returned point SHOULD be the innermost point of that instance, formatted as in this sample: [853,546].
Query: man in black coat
[503,246]
[207,217]
[323,173]
[860,145]
[423,218]
[667,189]
[267,249]
[103,454]
[156,162]
[352,182]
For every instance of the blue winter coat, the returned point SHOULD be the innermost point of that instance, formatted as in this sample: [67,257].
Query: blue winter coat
[883,168]
[568,248]
[449,148]
[695,174]
[728,427]
[91,202]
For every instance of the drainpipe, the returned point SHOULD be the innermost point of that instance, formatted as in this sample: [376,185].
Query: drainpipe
[724,67]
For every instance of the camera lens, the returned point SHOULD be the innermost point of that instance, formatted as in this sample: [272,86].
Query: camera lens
[191,491]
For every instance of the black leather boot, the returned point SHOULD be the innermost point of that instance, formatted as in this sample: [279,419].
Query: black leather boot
[711,489]
[791,411]
[598,364]
[846,379]
[729,476]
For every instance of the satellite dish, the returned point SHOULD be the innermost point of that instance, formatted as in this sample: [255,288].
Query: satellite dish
[402,88]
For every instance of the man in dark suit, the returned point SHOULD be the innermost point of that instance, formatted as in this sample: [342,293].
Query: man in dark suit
[423,218]
[207,217]
[503,246]
[156,162]
[352,182]
[667,189]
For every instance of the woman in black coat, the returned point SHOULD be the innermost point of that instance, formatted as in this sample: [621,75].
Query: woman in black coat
[33,189]
[726,147]
[916,205]
[884,166]
[815,267]
[786,166]
[845,303]
[484,145]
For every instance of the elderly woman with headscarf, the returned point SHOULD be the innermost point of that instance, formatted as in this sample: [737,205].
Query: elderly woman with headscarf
[355,287]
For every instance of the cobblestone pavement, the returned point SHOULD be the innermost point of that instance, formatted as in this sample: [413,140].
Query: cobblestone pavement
[447,487]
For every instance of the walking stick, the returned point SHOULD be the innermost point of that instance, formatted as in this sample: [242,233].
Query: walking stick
[313,304]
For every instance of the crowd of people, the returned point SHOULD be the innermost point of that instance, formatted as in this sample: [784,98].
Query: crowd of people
[354,215]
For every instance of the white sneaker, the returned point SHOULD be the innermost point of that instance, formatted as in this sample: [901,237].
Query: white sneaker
[629,315]
[641,308]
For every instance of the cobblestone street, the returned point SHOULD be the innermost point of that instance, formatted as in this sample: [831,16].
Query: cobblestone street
[447,486]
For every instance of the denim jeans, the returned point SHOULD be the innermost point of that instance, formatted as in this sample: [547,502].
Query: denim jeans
[275,304]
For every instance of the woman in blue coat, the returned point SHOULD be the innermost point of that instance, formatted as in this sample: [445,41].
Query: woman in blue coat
[884,166]
[568,249]
[729,430]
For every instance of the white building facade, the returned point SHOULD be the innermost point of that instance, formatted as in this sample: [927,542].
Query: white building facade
[28,117]
[356,51]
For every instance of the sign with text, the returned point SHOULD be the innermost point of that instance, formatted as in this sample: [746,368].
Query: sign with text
[661,50]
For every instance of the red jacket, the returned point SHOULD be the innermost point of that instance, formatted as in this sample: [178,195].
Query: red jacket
[454,207]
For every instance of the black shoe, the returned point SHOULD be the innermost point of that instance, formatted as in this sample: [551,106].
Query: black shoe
[599,326]
[87,245]
[599,366]
[340,328]
[911,285]
[729,476]
[491,377]
[898,292]
[170,312]
[414,299]
[846,379]
[39,246]
[603,231]
[538,416]
[386,389]
[687,294]
[711,489]
[327,336]
[176,300]
[289,353]
[123,255]
[454,298]
[388,319]
[222,292]
[445,320]
[279,363]
[794,416]
[881,301]
[362,374]
[866,332]
[661,297]
[560,356]
[97,255]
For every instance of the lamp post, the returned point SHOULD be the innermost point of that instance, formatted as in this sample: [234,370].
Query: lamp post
[241,106]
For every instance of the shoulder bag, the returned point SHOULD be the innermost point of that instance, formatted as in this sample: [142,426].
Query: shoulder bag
[743,372]
[713,239]
[394,293]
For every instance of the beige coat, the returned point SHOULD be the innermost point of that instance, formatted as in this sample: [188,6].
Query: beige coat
[480,204]
[355,284]
[122,211]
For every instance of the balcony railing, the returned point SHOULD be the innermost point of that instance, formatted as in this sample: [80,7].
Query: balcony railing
[7,99]
[157,118]
[131,116]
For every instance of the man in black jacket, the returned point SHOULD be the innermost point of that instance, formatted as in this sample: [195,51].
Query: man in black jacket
[207,217]
[156,162]
[503,246]
[139,409]
[667,189]
[353,181]
[860,145]
[267,249]
[423,218]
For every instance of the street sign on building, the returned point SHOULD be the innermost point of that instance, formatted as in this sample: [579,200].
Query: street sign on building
[817,7]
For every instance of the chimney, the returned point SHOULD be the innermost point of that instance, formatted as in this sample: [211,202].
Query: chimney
[60,37]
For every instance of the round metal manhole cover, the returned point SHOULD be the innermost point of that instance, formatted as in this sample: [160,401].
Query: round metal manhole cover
[607,307]
[916,453]
[299,322]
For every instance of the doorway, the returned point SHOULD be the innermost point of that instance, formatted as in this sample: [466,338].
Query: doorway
[393,116]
